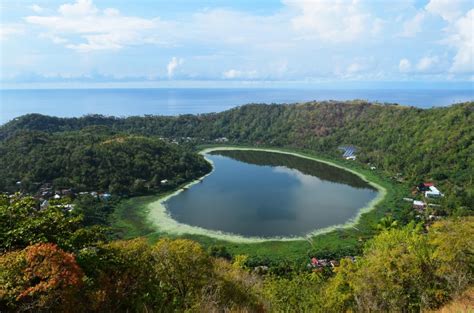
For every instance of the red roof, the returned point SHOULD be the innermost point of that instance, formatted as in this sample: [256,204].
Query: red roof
[314,261]
[428,184]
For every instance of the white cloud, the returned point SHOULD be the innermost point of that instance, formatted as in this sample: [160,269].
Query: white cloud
[36,8]
[447,9]
[233,74]
[463,40]
[412,26]
[303,40]
[9,30]
[460,30]
[335,21]
[55,39]
[79,8]
[427,63]
[404,65]
[99,30]
[172,65]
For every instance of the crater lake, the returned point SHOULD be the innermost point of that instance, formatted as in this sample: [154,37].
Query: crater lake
[267,194]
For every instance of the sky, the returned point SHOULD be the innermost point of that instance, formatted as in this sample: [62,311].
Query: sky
[236,43]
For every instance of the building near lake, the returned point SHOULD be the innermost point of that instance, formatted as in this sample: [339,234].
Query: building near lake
[433,192]
[419,205]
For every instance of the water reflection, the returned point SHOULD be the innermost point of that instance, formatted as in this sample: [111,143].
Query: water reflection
[254,193]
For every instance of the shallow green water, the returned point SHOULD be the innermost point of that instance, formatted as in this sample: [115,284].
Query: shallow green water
[264,194]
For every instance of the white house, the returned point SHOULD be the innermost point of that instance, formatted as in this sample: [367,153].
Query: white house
[351,157]
[433,192]
[418,204]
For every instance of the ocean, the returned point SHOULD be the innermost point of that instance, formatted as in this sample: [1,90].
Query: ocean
[125,102]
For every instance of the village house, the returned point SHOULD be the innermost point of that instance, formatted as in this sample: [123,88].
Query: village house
[433,192]
[44,204]
[422,187]
[221,139]
[419,205]
[105,196]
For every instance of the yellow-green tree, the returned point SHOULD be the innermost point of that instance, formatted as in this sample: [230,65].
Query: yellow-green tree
[454,252]
[120,277]
[184,269]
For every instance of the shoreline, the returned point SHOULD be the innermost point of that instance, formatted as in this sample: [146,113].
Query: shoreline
[160,218]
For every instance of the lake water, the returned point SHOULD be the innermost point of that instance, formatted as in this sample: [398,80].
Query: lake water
[124,102]
[254,193]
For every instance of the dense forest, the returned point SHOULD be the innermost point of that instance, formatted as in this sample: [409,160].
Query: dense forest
[415,144]
[58,259]
[93,160]
[51,263]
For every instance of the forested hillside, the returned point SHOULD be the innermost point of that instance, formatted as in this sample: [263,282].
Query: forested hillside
[57,259]
[415,144]
[49,263]
[93,160]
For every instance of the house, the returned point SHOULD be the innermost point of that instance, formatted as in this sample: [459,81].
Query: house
[373,168]
[56,196]
[221,139]
[261,270]
[44,204]
[105,196]
[164,181]
[67,192]
[419,205]
[319,262]
[422,187]
[349,152]
[433,192]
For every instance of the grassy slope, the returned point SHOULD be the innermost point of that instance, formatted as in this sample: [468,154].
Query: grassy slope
[131,215]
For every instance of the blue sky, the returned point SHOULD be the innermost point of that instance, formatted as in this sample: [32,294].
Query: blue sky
[237,43]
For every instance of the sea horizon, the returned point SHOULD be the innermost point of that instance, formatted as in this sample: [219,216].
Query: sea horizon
[76,102]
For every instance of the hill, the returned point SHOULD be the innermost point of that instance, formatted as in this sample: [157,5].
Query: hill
[91,159]
[410,143]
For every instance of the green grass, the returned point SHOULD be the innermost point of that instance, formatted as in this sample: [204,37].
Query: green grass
[130,220]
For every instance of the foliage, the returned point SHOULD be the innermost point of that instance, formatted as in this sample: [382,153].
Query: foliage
[90,161]
[300,293]
[184,267]
[22,223]
[454,252]
[40,278]
[406,270]
[420,144]
[401,269]
[220,251]
[120,277]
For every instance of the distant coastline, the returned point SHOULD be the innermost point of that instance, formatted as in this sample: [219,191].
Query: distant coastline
[175,101]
